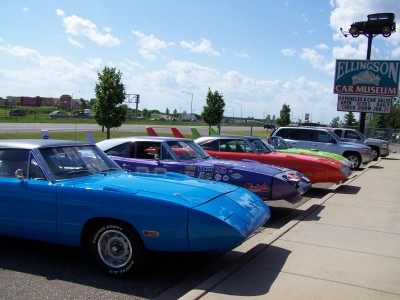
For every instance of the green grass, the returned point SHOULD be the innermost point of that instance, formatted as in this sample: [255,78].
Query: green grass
[99,136]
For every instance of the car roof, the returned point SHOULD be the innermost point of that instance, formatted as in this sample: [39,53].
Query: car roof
[306,127]
[39,143]
[226,136]
[116,141]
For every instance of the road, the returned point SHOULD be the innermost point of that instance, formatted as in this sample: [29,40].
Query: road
[59,127]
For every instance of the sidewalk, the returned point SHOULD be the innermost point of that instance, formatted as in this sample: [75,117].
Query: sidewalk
[344,246]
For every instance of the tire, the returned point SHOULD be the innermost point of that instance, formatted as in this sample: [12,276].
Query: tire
[386,31]
[116,248]
[354,31]
[375,153]
[354,159]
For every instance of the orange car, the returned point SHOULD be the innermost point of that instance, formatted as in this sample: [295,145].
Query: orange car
[317,169]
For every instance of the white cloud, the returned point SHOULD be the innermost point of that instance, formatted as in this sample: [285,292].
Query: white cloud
[24,9]
[203,48]
[48,76]
[149,45]
[60,12]
[77,26]
[322,47]
[288,52]
[242,55]
[75,43]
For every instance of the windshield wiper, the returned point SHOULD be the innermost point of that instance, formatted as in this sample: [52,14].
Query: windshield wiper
[108,170]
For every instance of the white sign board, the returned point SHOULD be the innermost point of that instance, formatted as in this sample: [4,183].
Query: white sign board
[364,103]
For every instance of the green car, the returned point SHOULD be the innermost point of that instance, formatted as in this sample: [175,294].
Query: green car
[282,146]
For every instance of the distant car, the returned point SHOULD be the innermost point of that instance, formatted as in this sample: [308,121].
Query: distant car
[180,155]
[17,112]
[81,115]
[72,193]
[57,114]
[269,126]
[382,23]
[317,169]
[281,145]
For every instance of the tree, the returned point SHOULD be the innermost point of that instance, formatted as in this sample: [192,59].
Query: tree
[110,94]
[394,117]
[335,122]
[349,119]
[284,116]
[213,112]
[381,121]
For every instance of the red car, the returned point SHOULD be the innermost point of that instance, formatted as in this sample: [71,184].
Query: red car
[317,169]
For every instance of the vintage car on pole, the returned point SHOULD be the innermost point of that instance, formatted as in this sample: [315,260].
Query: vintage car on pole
[182,155]
[317,169]
[281,145]
[72,193]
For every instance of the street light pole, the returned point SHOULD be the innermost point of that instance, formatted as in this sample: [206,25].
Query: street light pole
[72,98]
[191,105]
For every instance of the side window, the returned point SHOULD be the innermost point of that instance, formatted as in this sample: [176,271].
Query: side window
[351,135]
[306,135]
[165,155]
[323,137]
[338,132]
[12,160]
[212,145]
[35,172]
[285,133]
[146,150]
[122,150]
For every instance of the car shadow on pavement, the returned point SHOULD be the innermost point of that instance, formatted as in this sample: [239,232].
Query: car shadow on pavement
[376,167]
[389,158]
[347,189]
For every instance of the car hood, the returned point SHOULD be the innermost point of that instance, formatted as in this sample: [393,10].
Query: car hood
[243,165]
[192,190]
[301,157]
[372,140]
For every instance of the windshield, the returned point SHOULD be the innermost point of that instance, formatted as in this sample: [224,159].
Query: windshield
[77,161]
[278,143]
[187,150]
[261,146]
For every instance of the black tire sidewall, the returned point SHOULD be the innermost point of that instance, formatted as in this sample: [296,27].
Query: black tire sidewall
[138,254]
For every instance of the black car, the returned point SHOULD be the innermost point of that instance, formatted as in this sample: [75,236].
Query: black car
[382,23]
[269,126]
[17,112]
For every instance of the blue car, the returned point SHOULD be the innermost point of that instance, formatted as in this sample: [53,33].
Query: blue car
[170,154]
[72,193]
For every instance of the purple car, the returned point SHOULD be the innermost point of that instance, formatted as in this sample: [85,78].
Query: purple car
[180,155]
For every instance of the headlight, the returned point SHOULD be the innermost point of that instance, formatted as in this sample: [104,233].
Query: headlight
[291,176]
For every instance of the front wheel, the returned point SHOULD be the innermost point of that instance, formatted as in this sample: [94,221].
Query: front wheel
[354,159]
[116,248]
[375,153]
[354,31]
[386,31]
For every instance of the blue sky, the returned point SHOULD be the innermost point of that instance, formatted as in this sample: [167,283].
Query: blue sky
[257,54]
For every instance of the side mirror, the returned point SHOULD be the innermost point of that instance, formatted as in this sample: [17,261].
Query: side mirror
[19,173]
